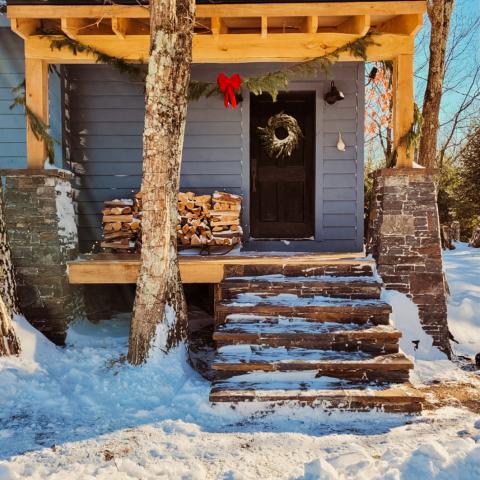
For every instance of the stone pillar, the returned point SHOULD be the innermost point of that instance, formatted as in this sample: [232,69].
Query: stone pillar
[43,237]
[404,239]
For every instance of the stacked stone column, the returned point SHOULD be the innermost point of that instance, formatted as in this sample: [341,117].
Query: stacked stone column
[404,239]
[42,232]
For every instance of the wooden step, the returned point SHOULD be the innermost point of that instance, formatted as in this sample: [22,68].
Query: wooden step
[397,399]
[326,285]
[321,309]
[300,332]
[339,268]
[359,366]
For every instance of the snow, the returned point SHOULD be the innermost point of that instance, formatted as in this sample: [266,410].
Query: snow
[82,413]
[463,275]
[66,214]
[289,299]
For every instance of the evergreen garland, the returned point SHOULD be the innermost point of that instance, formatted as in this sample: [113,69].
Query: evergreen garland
[411,139]
[39,128]
[270,83]
[136,71]
[273,82]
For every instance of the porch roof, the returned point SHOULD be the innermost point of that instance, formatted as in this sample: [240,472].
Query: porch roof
[225,32]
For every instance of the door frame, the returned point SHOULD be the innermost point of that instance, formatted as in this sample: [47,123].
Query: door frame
[316,86]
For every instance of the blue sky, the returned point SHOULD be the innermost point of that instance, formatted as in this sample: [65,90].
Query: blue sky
[463,64]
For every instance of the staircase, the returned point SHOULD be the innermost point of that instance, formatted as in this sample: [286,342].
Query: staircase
[317,335]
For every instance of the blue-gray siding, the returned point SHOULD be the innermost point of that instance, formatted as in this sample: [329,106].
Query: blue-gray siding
[106,121]
[12,121]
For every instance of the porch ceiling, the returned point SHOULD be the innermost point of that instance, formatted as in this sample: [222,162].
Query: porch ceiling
[225,32]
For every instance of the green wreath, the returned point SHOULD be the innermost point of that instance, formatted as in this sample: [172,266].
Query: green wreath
[280,147]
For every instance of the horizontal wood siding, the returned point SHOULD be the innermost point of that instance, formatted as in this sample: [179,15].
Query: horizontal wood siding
[106,121]
[12,122]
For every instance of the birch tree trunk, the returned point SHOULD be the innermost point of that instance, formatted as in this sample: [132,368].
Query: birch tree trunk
[9,344]
[160,311]
[439,12]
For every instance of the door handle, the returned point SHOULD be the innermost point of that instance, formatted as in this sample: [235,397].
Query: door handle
[254,175]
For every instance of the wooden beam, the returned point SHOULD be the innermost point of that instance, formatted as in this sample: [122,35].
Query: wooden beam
[264,26]
[193,268]
[311,24]
[224,10]
[218,27]
[358,24]
[402,106]
[403,24]
[72,27]
[77,11]
[230,48]
[120,26]
[24,27]
[36,91]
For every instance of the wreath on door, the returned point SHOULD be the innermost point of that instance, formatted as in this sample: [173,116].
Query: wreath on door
[274,143]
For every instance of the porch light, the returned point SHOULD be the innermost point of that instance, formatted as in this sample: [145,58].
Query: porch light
[334,95]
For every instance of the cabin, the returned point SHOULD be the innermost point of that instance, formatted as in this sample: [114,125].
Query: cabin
[302,214]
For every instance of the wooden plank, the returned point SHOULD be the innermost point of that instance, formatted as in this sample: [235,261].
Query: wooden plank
[36,89]
[120,26]
[311,24]
[357,24]
[194,269]
[72,27]
[403,24]
[227,48]
[24,27]
[403,99]
[223,10]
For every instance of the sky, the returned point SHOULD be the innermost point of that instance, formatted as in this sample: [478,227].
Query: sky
[464,62]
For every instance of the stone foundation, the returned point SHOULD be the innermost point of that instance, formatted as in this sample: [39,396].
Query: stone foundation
[404,239]
[41,226]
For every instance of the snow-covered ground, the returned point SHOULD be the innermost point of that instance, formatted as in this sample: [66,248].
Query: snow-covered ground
[82,413]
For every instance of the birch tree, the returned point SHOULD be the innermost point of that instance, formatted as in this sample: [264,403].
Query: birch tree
[9,344]
[160,311]
[439,13]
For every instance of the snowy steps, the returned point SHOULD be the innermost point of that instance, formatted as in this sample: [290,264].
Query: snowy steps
[360,287]
[318,336]
[354,366]
[398,399]
[322,310]
[297,332]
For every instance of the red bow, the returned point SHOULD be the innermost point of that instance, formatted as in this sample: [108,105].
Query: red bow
[228,86]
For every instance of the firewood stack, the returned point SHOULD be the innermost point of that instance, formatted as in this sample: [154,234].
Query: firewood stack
[225,218]
[203,220]
[193,227]
[121,225]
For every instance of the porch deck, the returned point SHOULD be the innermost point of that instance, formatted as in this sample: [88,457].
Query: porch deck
[106,268]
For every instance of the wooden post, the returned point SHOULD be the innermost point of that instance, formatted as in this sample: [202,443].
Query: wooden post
[402,106]
[36,91]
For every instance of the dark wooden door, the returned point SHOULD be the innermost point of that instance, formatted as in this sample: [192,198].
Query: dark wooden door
[282,190]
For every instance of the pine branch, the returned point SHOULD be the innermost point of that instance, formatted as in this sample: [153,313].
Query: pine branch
[39,128]
[76,47]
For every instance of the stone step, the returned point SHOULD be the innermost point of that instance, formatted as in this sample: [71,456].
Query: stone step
[340,395]
[361,287]
[300,332]
[321,309]
[340,268]
[358,366]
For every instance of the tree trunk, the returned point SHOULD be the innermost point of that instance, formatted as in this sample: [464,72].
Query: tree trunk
[160,311]
[439,12]
[9,344]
